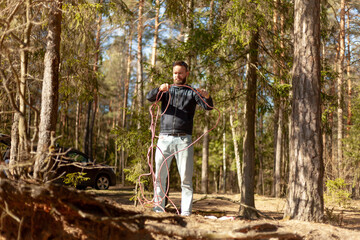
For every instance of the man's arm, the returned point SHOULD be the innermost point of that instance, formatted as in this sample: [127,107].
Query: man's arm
[205,101]
[151,96]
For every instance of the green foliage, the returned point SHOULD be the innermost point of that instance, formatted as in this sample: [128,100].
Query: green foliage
[135,141]
[337,192]
[283,90]
[74,179]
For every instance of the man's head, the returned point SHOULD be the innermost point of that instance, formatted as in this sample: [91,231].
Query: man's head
[180,72]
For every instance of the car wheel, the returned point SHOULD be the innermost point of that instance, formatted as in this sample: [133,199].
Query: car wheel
[102,182]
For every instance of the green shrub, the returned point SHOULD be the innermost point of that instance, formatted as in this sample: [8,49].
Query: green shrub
[337,192]
[75,178]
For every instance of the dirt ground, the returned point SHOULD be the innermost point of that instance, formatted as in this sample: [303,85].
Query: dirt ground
[217,213]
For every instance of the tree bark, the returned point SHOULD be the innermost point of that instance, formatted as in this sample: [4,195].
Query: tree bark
[126,93]
[349,83]
[50,88]
[260,181]
[339,90]
[247,191]
[156,35]
[87,134]
[140,81]
[95,79]
[77,124]
[23,144]
[224,157]
[278,151]
[205,161]
[237,152]
[305,198]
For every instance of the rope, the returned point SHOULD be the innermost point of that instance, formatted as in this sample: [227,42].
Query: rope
[150,155]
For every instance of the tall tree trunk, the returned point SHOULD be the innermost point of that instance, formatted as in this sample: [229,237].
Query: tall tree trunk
[260,180]
[77,123]
[224,157]
[23,136]
[140,81]
[277,166]
[189,26]
[87,129]
[95,79]
[305,198]
[50,88]
[340,81]
[205,161]
[126,93]
[247,191]
[349,83]
[14,143]
[156,35]
[216,185]
[339,90]
[237,152]
[277,103]
[206,140]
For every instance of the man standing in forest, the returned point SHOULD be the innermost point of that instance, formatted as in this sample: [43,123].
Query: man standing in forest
[175,134]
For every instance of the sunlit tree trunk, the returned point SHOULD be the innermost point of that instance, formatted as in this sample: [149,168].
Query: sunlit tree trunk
[237,151]
[277,101]
[140,81]
[50,87]
[349,83]
[206,140]
[260,180]
[77,124]
[126,93]
[205,161]
[23,144]
[189,25]
[156,35]
[305,197]
[339,90]
[14,143]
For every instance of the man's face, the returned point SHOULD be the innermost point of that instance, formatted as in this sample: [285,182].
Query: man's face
[180,74]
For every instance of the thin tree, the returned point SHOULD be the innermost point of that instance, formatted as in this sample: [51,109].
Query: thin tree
[50,88]
[95,78]
[340,80]
[140,81]
[206,138]
[348,65]
[305,197]
[236,150]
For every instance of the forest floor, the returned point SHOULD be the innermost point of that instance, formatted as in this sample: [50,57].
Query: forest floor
[217,214]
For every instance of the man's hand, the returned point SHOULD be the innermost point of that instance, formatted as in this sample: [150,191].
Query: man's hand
[203,93]
[164,87]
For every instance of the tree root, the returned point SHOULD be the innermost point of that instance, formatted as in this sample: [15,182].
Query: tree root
[237,202]
[29,211]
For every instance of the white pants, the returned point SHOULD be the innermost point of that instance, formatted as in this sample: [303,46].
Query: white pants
[185,163]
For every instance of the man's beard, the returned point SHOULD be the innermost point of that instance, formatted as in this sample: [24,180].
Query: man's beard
[180,81]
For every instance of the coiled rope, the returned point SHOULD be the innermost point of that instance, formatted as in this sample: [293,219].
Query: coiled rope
[150,155]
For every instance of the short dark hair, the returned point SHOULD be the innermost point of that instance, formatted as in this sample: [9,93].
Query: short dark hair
[181,63]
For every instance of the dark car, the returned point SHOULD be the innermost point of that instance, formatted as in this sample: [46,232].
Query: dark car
[69,161]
